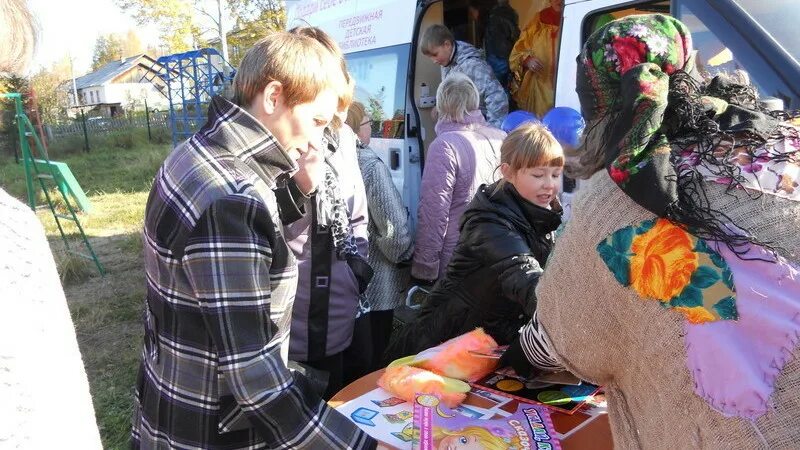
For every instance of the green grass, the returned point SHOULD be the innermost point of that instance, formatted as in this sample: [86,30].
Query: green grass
[102,170]
[106,310]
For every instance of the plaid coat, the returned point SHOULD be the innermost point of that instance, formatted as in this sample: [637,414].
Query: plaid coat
[220,287]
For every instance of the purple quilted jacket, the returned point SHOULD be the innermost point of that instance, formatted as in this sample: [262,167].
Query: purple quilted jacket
[463,156]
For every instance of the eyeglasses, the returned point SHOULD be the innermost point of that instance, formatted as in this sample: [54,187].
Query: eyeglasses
[366,122]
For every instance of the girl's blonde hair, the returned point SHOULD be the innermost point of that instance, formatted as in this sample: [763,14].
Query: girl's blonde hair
[488,440]
[531,145]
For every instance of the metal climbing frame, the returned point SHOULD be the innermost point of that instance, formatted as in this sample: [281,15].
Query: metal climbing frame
[43,171]
[189,80]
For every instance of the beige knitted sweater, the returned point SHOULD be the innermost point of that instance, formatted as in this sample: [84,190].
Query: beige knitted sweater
[44,394]
[606,334]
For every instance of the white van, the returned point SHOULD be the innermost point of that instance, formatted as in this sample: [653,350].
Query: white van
[379,38]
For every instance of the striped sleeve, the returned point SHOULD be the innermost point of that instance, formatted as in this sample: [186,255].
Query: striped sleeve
[536,346]
[235,276]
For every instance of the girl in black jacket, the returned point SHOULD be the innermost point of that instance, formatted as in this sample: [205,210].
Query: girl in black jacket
[506,234]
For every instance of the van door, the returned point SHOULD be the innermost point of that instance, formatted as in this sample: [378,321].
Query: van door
[380,76]
[375,36]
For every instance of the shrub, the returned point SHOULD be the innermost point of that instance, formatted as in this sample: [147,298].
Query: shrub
[73,269]
[125,139]
[65,145]
[160,136]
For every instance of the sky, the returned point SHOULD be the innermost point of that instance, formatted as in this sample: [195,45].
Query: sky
[71,27]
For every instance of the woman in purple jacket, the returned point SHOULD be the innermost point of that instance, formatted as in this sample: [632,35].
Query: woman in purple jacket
[463,156]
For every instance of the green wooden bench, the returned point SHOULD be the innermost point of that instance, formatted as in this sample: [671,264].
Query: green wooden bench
[63,176]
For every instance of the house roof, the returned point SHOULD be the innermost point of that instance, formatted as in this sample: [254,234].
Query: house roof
[112,70]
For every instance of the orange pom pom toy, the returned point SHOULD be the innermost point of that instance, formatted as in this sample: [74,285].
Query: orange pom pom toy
[463,357]
[406,382]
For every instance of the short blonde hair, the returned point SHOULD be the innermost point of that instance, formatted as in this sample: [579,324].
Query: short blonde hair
[435,36]
[355,115]
[18,34]
[531,145]
[456,96]
[300,63]
[346,93]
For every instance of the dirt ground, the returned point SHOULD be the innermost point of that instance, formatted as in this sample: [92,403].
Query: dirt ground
[106,312]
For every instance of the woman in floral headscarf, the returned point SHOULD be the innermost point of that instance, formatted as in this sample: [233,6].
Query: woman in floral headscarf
[682,256]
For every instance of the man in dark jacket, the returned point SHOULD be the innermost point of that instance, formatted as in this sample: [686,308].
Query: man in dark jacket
[502,32]
[492,276]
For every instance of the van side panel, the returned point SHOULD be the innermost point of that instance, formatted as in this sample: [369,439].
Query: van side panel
[357,25]
[571,43]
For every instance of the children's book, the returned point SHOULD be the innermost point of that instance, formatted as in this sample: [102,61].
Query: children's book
[564,398]
[389,419]
[437,427]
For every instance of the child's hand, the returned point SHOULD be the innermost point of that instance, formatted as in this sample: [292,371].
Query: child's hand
[516,358]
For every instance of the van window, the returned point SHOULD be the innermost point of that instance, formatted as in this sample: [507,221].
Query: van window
[381,76]
[722,50]
[780,18]
[713,57]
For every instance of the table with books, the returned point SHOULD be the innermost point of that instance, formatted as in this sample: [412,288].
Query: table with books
[574,416]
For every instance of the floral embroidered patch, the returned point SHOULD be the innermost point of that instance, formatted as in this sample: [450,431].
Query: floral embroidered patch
[661,261]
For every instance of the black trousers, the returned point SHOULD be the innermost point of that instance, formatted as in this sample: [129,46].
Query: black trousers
[358,356]
[334,366]
[382,323]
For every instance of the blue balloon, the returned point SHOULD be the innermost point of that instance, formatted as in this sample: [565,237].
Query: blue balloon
[517,118]
[566,124]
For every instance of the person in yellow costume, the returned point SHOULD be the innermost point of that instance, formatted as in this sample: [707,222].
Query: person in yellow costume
[533,61]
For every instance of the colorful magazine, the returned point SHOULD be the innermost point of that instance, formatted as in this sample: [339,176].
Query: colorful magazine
[562,398]
[437,427]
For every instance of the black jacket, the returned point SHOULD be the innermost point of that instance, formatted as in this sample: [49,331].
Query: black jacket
[491,279]
[502,31]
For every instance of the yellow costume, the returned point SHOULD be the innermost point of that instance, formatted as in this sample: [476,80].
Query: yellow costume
[534,91]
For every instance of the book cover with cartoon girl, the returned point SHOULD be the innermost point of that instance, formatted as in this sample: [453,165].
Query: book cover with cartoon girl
[437,427]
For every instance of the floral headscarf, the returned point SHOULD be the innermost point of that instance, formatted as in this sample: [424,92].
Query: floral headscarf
[639,73]
[627,65]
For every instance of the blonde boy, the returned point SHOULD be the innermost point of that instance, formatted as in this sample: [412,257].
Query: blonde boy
[221,279]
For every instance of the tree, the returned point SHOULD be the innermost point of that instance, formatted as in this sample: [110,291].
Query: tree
[270,14]
[131,44]
[9,134]
[107,48]
[254,20]
[375,105]
[247,32]
[174,18]
[51,96]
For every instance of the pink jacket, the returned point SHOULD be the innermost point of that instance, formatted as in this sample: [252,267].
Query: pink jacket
[461,158]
